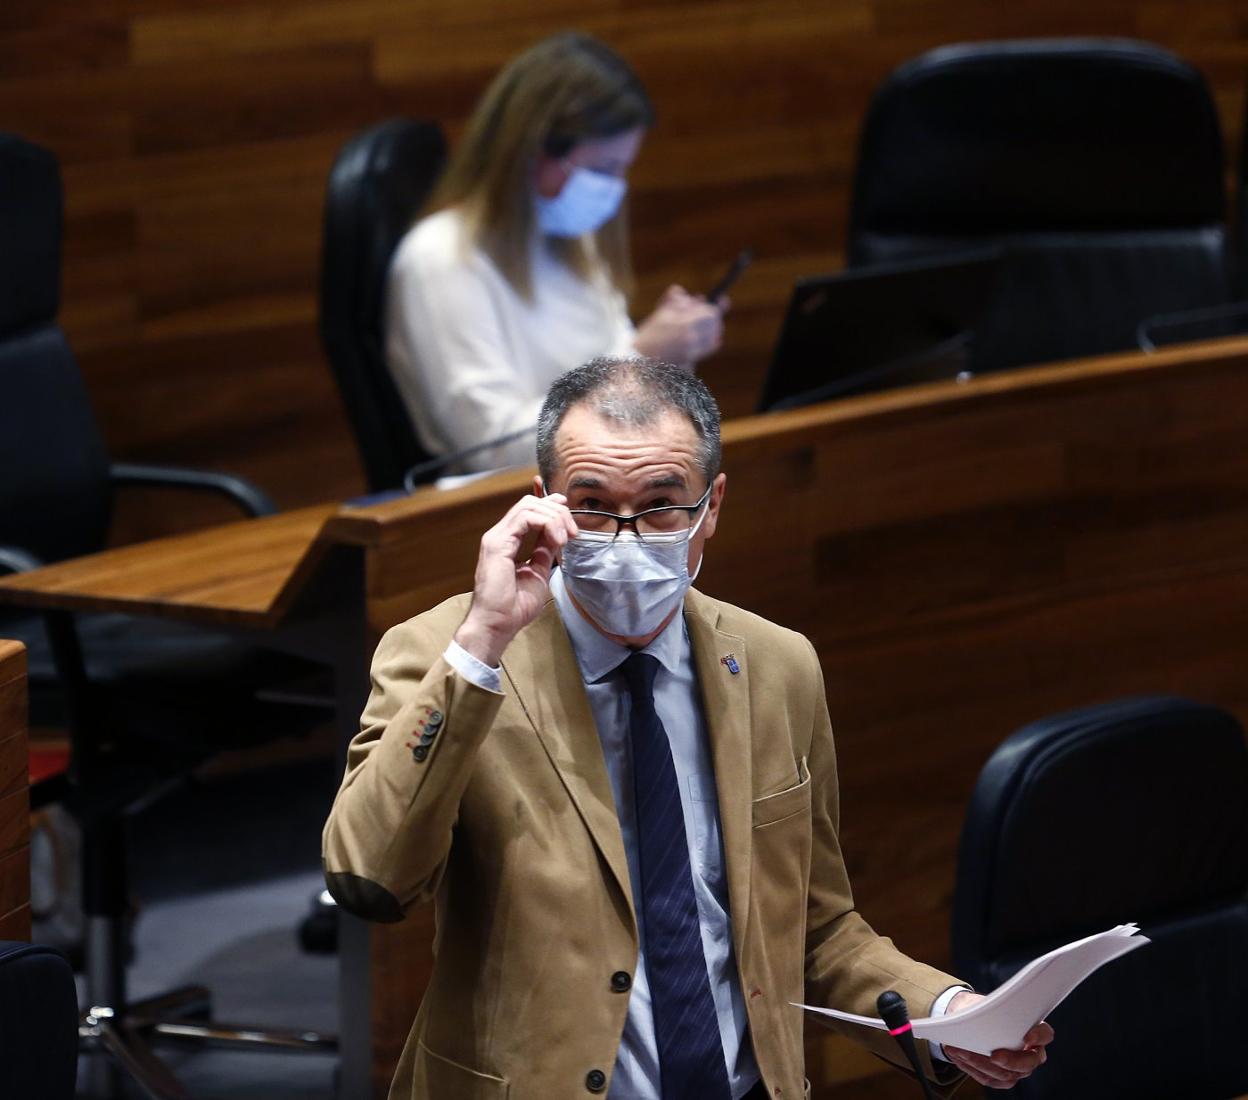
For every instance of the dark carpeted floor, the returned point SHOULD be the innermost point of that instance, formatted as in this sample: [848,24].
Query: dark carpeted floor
[223,871]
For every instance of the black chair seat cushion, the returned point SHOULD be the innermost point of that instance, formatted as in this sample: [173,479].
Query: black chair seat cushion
[38,1024]
[178,685]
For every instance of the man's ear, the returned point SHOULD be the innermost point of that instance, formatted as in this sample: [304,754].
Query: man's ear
[718,487]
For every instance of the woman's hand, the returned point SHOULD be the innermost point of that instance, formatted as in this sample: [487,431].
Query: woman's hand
[682,329]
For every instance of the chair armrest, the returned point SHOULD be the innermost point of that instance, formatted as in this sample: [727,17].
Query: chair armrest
[13,559]
[250,498]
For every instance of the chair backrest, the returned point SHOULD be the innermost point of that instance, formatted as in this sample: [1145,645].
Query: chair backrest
[1135,810]
[379,181]
[38,1023]
[1096,163]
[55,499]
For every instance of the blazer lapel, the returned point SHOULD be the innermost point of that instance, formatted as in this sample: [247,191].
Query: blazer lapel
[564,723]
[726,705]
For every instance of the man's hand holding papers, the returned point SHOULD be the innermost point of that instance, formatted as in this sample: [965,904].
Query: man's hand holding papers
[1000,1038]
[1003,1068]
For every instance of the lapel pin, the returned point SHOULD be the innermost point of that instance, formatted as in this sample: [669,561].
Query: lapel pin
[731,661]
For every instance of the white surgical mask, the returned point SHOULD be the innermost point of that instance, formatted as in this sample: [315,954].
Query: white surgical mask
[587,202]
[626,584]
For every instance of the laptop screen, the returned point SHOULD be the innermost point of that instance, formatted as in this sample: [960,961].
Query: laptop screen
[879,327]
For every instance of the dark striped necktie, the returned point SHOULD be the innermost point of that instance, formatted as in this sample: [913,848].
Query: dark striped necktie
[691,1053]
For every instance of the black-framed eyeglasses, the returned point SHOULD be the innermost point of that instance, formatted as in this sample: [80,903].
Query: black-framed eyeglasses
[671,519]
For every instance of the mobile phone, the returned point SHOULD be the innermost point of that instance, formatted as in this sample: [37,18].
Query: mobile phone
[742,261]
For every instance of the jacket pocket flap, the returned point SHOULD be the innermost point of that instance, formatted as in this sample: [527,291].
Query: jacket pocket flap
[785,803]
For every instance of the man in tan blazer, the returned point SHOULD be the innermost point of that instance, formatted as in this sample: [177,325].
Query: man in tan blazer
[514,770]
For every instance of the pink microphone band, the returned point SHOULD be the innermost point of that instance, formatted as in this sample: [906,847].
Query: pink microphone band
[895,1031]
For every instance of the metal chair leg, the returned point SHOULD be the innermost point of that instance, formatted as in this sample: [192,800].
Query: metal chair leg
[105,1035]
[240,1037]
[124,1041]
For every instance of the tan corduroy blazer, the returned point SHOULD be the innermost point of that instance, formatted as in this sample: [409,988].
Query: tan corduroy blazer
[498,808]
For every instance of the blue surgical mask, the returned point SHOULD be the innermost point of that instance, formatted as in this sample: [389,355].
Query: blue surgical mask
[626,584]
[587,202]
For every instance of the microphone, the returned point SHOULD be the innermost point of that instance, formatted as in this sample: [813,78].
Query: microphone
[421,470]
[892,1009]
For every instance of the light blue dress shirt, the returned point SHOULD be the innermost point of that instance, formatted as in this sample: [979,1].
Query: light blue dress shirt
[679,706]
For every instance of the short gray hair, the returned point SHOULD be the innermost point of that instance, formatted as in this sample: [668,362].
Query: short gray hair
[634,391]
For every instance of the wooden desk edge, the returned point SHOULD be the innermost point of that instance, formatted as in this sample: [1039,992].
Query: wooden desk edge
[371,525]
[64,586]
[391,521]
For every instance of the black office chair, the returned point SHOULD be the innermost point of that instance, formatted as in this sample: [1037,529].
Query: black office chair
[38,1023]
[1135,810]
[1096,163]
[379,181]
[144,702]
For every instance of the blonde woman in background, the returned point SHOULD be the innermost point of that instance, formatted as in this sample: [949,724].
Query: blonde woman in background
[520,271]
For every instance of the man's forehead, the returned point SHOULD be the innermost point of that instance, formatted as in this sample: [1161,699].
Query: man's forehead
[591,449]
[587,478]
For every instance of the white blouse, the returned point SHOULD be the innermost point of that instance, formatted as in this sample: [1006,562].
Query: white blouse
[471,358]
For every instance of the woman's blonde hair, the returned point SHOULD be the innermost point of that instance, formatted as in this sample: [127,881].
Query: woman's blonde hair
[566,89]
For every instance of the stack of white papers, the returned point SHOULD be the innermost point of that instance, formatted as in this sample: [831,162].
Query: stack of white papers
[1003,1017]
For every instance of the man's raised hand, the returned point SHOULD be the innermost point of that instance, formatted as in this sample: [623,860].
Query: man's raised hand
[509,589]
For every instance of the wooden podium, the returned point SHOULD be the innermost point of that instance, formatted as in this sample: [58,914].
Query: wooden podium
[965,558]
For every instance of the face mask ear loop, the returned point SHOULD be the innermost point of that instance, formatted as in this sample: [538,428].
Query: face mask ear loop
[693,531]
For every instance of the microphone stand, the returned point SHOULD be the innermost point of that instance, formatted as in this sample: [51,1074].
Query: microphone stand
[421,470]
[892,1009]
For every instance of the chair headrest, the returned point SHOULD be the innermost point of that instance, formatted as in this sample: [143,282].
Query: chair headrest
[377,185]
[30,235]
[1039,136]
[1133,810]
[379,181]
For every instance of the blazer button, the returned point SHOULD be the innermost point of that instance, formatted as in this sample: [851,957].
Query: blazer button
[595,1080]
[621,981]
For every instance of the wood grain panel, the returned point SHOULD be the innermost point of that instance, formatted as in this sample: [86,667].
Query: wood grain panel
[14,754]
[196,135]
[14,822]
[237,573]
[15,880]
[15,925]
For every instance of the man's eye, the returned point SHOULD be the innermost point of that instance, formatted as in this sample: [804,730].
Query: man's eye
[592,504]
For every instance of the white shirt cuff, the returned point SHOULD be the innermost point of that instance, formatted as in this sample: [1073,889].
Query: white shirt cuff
[472,670]
[939,1007]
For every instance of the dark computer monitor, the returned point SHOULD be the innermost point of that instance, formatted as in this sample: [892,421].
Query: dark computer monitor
[879,327]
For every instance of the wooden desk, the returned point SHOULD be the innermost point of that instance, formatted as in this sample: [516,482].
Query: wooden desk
[14,796]
[965,559]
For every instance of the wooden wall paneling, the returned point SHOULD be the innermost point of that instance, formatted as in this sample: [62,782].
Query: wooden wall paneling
[14,796]
[15,925]
[15,886]
[196,136]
